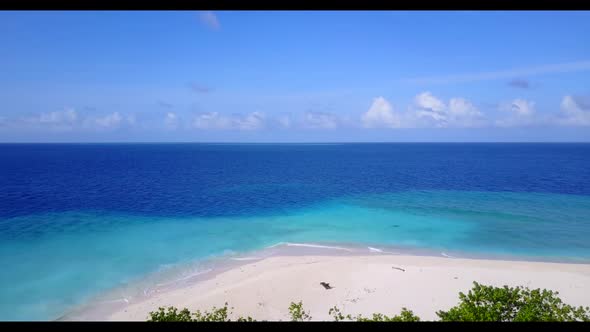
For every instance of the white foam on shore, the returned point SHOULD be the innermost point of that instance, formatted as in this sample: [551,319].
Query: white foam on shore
[381,251]
[309,245]
[245,258]
[276,245]
[124,299]
[446,255]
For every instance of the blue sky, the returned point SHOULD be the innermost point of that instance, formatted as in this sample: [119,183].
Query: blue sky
[237,76]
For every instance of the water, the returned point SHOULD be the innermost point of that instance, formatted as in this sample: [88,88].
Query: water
[79,220]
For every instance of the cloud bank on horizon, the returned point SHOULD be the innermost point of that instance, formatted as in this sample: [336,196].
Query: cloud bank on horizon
[274,79]
[426,111]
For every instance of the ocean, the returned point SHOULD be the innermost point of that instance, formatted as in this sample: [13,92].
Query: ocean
[81,220]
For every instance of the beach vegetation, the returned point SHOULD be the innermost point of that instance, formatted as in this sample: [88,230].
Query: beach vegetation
[512,304]
[405,316]
[172,314]
[297,313]
[481,304]
[337,314]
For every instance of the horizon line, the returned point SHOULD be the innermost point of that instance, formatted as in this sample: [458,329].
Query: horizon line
[319,142]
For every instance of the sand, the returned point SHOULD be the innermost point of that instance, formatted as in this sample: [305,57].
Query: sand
[361,285]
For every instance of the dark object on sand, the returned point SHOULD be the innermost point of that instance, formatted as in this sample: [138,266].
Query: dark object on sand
[326,285]
[398,268]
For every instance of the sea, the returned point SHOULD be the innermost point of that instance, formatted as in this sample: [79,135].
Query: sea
[89,224]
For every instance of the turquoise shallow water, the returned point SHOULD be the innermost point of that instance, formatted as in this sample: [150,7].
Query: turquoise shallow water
[65,258]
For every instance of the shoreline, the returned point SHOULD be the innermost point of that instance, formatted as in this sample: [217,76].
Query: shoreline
[362,285]
[284,261]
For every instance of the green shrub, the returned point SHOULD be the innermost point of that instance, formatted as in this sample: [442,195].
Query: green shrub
[504,304]
[216,315]
[297,312]
[173,315]
[405,316]
[338,316]
[247,319]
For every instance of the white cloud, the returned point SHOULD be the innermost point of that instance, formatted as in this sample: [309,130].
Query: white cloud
[574,112]
[211,120]
[214,120]
[427,111]
[70,119]
[521,112]
[252,121]
[427,101]
[65,117]
[463,113]
[209,19]
[433,112]
[171,120]
[522,107]
[320,120]
[381,114]
[430,110]
[110,121]
[58,120]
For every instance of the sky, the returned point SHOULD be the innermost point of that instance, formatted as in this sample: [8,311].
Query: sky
[294,76]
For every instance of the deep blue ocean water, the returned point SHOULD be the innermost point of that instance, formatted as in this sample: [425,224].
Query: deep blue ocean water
[80,219]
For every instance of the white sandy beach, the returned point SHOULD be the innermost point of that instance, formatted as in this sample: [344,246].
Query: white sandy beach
[362,285]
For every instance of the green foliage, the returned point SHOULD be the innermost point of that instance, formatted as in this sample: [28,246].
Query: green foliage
[335,312]
[173,315]
[405,316]
[297,312]
[216,315]
[482,303]
[504,304]
[247,319]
